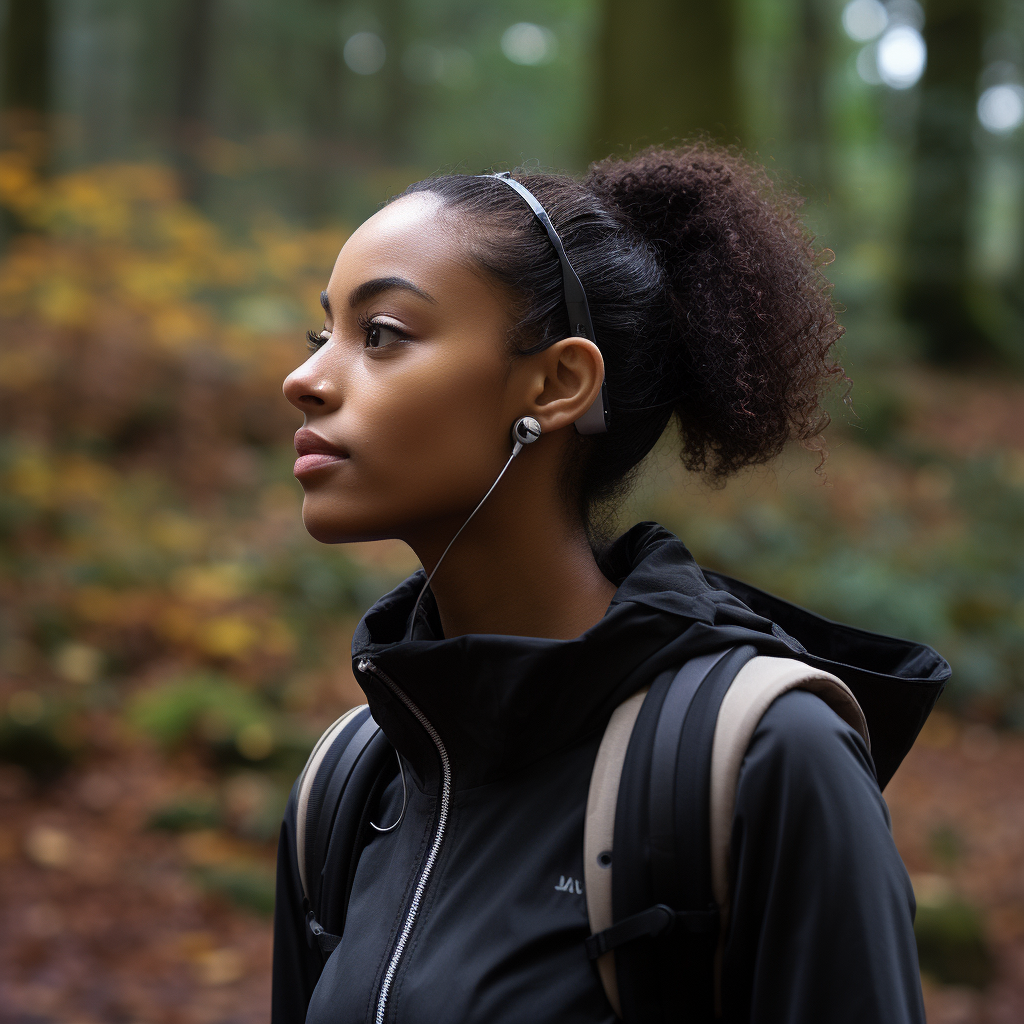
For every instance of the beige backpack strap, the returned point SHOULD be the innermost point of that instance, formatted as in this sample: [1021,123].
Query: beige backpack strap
[599,829]
[306,784]
[760,682]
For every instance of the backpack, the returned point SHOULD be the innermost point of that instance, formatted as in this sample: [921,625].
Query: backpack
[659,920]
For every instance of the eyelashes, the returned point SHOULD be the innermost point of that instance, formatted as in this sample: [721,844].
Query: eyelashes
[372,335]
[379,334]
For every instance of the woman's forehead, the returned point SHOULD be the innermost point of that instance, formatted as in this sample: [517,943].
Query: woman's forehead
[409,239]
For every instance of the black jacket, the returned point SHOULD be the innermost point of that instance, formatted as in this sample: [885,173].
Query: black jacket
[499,743]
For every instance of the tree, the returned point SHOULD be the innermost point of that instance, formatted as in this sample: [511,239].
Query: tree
[666,70]
[936,271]
[192,83]
[25,87]
[26,58]
[808,118]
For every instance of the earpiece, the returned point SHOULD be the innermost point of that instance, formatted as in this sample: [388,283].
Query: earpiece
[525,430]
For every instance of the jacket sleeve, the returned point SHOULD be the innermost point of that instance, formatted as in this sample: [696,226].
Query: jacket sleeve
[822,907]
[296,967]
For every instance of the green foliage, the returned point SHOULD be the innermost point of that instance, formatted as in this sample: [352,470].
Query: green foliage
[951,943]
[877,415]
[208,707]
[249,888]
[186,816]
[946,845]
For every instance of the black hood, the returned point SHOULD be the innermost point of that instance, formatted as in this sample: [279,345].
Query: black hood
[501,703]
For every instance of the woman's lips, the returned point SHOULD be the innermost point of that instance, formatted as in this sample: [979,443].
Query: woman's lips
[315,452]
[308,463]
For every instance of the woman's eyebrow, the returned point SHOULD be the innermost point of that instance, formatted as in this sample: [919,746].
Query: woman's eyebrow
[368,289]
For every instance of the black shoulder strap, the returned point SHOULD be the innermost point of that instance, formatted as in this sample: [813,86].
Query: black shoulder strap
[350,775]
[666,926]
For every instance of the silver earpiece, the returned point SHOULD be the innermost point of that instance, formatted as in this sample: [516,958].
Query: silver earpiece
[525,430]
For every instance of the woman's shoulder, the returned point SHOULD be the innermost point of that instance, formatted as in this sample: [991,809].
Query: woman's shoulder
[802,743]
[816,880]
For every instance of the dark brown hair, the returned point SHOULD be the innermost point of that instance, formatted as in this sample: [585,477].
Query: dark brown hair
[706,294]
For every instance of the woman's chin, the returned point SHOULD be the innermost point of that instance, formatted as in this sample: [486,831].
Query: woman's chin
[328,532]
[328,526]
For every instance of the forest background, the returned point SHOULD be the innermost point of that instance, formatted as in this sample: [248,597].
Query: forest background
[176,178]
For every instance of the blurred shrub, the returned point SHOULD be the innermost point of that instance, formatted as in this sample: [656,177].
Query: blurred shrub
[951,941]
[250,804]
[37,748]
[951,945]
[877,415]
[208,708]
[186,815]
[946,845]
[37,736]
[234,726]
[249,888]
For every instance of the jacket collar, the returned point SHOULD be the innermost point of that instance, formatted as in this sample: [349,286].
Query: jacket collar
[500,703]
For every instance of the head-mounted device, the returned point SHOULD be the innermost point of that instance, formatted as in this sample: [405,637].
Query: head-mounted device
[596,419]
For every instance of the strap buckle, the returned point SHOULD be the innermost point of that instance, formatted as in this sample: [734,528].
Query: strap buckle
[654,922]
[317,938]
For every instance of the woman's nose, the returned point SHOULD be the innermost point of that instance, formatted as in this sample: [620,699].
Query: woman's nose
[310,387]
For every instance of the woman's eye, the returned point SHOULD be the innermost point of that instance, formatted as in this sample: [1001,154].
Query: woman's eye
[381,335]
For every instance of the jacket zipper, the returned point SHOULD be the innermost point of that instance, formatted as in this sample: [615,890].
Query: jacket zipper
[365,665]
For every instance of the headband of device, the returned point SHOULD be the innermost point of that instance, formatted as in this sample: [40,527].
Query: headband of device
[597,419]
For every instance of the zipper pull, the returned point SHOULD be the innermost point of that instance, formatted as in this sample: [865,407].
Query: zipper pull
[364,665]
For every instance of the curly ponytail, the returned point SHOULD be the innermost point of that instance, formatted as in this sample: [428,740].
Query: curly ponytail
[706,294]
[751,322]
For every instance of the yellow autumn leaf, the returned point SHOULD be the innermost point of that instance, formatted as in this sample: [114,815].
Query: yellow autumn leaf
[226,636]
[209,584]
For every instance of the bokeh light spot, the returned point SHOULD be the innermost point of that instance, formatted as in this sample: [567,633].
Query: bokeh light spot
[864,19]
[1001,108]
[905,12]
[364,53]
[867,65]
[526,43]
[901,57]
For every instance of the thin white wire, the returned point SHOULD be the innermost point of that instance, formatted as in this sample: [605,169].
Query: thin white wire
[416,606]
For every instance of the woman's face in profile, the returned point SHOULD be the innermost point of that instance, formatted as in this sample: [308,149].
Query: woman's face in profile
[407,401]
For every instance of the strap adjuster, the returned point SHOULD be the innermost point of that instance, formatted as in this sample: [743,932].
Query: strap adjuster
[653,922]
[317,938]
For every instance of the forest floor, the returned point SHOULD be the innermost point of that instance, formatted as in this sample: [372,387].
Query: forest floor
[103,919]
[957,807]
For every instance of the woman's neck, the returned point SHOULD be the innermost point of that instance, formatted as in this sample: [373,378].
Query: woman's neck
[518,575]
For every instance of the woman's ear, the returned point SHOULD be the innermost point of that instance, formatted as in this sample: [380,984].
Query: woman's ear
[567,378]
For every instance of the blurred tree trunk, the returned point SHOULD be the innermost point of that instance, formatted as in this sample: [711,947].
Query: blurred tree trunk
[26,89]
[321,113]
[808,121]
[192,86]
[936,271]
[666,71]
[26,57]
[399,96]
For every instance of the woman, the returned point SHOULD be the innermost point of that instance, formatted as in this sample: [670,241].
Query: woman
[450,317]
